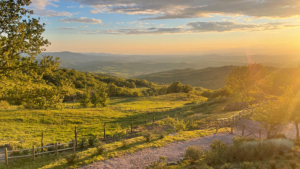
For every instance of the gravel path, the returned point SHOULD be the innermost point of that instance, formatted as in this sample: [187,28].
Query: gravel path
[143,158]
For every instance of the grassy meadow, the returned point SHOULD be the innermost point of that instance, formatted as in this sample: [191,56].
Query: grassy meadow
[23,127]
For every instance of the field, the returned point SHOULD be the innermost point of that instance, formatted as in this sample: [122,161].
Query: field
[24,127]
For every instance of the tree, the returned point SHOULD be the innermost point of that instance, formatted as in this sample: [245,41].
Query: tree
[85,101]
[112,89]
[175,87]
[187,88]
[247,82]
[20,74]
[100,96]
[270,115]
[18,36]
[295,116]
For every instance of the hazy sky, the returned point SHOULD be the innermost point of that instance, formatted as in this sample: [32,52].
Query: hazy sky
[171,26]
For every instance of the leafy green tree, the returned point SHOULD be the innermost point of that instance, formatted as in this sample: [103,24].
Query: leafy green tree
[112,89]
[295,116]
[187,88]
[85,101]
[100,97]
[175,87]
[247,82]
[20,74]
[270,115]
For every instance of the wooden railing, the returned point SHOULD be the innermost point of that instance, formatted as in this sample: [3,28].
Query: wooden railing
[33,151]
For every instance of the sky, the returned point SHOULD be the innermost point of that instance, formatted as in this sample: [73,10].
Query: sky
[187,27]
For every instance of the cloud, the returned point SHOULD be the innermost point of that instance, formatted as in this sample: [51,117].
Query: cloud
[41,4]
[50,13]
[173,9]
[71,6]
[38,6]
[67,29]
[81,20]
[199,27]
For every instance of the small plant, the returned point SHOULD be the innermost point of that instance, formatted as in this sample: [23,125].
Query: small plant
[293,164]
[72,158]
[226,166]
[100,148]
[82,143]
[246,165]
[92,140]
[147,135]
[162,135]
[159,164]
[125,144]
[193,154]
[277,157]
[272,164]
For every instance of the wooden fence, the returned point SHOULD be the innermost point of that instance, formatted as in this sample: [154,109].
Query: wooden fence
[231,121]
[34,151]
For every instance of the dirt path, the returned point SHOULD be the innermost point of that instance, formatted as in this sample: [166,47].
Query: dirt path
[173,152]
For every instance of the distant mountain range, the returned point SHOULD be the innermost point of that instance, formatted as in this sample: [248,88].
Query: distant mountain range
[138,65]
[210,78]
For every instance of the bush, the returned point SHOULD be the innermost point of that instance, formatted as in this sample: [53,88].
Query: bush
[180,125]
[100,148]
[272,164]
[293,164]
[162,135]
[125,144]
[82,143]
[71,158]
[147,135]
[193,154]
[92,141]
[158,165]
[277,136]
[246,165]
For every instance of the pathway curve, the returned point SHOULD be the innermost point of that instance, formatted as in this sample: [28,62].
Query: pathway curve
[173,152]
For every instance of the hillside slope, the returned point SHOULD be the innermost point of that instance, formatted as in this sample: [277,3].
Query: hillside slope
[211,78]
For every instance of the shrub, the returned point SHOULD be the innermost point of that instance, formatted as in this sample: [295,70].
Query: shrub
[162,135]
[293,164]
[246,165]
[147,135]
[280,136]
[193,154]
[82,143]
[100,148]
[72,158]
[226,166]
[289,156]
[92,140]
[158,165]
[272,164]
[125,144]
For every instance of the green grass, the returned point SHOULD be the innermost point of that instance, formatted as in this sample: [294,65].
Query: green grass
[24,127]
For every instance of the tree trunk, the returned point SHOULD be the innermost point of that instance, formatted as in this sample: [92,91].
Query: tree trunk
[297,128]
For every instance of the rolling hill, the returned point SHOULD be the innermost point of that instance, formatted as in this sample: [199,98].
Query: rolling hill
[211,78]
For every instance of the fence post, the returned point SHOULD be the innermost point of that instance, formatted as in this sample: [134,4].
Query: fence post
[131,125]
[76,135]
[6,156]
[104,131]
[33,152]
[74,144]
[56,149]
[243,131]
[42,144]
[153,121]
